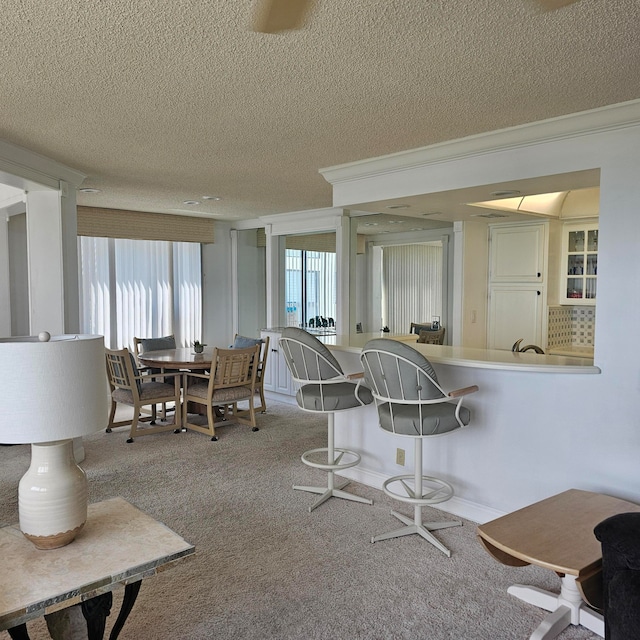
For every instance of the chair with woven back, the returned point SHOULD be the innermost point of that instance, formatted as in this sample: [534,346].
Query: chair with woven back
[242,342]
[129,386]
[142,345]
[232,379]
[427,334]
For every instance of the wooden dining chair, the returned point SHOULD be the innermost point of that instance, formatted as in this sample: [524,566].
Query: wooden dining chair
[232,379]
[129,386]
[242,342]
[142,345]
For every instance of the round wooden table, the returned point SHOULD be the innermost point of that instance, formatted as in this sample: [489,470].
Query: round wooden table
[557,534]
[183,358]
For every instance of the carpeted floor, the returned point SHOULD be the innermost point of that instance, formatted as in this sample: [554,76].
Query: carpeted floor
[266,568]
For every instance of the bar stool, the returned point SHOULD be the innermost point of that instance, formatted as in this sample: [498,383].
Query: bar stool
[323,388]
[412,404]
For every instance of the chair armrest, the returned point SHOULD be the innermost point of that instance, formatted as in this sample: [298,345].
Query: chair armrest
[355,376]
[463,392]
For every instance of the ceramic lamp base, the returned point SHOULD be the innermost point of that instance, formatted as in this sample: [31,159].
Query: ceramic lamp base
[52,496]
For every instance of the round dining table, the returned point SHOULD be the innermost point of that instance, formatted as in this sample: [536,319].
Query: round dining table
[183,358]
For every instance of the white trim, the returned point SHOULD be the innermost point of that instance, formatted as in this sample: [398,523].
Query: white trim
[611,117]
[310,221]
[26,169]
[234,282]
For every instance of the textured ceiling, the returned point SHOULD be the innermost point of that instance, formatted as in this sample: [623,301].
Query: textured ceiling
[169,100]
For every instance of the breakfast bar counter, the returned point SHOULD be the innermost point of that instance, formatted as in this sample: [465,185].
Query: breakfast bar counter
[524,441]
[470,357]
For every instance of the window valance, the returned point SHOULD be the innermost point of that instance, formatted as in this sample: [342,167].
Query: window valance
[99,222]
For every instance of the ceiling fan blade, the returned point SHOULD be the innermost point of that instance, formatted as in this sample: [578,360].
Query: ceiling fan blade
[552,5]
[274,16]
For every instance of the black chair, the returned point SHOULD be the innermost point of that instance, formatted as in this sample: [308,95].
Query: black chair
[620,539]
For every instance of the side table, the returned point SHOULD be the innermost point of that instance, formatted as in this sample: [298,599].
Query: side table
[557,533]
[118,546]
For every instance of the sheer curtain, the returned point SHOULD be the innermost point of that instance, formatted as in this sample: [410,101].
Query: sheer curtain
[140,288]
[411,284]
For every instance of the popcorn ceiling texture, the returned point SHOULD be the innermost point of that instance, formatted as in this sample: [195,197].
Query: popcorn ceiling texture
[160,102]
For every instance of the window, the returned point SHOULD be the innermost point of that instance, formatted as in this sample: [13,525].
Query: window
[140,288]
[411,284]
[310,288]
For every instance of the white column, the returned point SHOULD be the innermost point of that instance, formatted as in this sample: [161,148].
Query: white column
[346,306]
[5,293]
[45,259]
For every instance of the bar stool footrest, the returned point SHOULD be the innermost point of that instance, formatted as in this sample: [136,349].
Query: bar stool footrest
[337,465]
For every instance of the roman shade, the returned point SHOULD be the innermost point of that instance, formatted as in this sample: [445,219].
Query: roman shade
[98,222]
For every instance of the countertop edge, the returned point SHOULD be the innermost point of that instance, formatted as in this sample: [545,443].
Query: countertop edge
[479,358]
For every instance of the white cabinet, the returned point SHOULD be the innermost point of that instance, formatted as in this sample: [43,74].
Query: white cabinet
[277,378]
[516,311]
[579,264]
[517,284]
[517,253]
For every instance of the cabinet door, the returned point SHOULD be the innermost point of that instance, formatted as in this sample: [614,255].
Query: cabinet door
[269,376]
[579,264]
[277,377]
[517,253]
[515,312]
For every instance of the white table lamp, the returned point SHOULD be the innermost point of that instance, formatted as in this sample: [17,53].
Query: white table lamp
[53,389]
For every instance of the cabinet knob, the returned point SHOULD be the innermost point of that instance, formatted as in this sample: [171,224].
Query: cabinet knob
[274,350]
[538,293]
[539,274]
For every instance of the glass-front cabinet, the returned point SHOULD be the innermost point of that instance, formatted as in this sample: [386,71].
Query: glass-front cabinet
[579,264]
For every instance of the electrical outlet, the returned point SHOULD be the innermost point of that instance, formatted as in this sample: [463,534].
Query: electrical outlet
[400,457]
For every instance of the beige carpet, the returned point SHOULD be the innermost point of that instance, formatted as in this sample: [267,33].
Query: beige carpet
[266,568]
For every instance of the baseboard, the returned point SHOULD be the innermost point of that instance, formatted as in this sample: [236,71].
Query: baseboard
[460,507]
[280,397]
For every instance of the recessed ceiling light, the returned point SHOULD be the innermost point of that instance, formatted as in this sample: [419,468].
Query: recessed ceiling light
[370,224]
[191,202]
[417,229]
[211,198]
[89,190]
[398,206]
[505,194]
[397,221]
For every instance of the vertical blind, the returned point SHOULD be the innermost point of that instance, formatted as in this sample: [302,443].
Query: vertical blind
[140,288]
[411,284]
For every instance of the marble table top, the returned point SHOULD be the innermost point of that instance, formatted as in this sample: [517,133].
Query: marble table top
[119,544]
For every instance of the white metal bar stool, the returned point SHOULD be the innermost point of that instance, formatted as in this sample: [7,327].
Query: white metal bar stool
[412,404]
[323,388]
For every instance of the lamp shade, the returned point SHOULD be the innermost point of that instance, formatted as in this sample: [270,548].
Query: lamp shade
[52,390]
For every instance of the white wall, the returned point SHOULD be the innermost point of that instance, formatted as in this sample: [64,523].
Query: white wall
[217,322]
[534,435]
[251,283]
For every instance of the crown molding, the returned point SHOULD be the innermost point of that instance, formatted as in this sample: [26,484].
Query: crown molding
[27,169]
[309,221]
[608,118]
